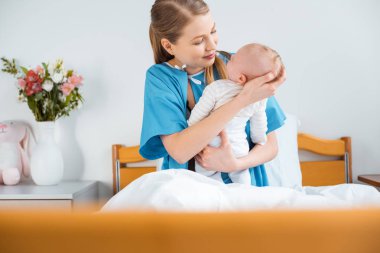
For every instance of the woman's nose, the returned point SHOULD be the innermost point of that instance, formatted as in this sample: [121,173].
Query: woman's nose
[211,44]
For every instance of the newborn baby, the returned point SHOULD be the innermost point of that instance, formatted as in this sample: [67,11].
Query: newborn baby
[250,61]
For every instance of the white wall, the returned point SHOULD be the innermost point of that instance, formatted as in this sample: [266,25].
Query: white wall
[330,49]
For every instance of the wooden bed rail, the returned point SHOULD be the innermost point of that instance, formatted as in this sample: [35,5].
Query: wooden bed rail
[314,173]
[331,172]
[122,157]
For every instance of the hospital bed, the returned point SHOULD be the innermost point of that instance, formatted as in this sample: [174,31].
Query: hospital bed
[336,230]
[336,170]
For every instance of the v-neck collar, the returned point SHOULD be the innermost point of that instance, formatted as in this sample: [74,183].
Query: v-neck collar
[190,77]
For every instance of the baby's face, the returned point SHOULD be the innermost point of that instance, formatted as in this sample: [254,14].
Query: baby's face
[252,61]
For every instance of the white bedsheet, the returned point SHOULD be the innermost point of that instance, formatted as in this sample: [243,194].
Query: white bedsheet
[183,190]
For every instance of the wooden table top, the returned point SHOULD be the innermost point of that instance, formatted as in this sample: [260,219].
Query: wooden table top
[370,179]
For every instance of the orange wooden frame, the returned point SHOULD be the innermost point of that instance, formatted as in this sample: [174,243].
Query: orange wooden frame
[331,172]
[311,231]
[122,157]
[314,173]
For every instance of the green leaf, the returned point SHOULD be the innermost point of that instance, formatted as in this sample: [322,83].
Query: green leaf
[68,98]
[25,70]
[39,96]
[9,66]
[31,104]
[45,67]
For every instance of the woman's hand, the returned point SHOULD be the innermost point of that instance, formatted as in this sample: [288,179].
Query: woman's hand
[261,87]
[218,159]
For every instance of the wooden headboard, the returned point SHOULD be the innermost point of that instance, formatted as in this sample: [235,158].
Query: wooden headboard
[314,173]
[330,172]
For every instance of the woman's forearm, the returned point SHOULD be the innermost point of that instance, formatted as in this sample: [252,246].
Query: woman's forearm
[184,145]
[260,154]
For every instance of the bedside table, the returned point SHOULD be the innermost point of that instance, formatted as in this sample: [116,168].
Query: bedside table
[373,180]
[67,196]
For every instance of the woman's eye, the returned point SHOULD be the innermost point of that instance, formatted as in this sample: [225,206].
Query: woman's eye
[213,31]
[198,42]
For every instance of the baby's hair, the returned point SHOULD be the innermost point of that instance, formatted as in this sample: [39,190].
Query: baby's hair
[276,54]
[274,57]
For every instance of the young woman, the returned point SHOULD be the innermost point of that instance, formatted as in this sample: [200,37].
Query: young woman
[184,41]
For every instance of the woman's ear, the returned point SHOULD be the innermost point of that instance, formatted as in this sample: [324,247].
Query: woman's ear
[167,45]
[242,79]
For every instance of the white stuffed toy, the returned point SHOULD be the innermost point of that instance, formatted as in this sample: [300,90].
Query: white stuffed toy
[14,154]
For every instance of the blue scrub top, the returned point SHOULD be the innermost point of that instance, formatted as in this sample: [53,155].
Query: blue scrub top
[165,113]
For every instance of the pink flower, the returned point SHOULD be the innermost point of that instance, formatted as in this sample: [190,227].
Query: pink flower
[21,83]
[67,88]
[39,70]
[76,80]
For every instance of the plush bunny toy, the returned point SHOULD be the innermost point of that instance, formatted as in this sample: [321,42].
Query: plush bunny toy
[14,157]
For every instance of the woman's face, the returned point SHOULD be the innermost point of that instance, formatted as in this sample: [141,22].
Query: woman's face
[196,47]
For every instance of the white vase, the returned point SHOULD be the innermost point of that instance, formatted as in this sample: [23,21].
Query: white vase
[46,165]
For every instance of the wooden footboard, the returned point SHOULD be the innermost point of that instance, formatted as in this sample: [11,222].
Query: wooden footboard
[275,231]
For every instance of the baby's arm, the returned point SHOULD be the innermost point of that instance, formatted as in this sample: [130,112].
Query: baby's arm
[258,123]
[204,106]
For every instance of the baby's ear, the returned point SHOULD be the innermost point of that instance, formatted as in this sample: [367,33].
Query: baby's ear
[242,79]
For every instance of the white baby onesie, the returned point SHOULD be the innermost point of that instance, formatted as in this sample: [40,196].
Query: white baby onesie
[217,94]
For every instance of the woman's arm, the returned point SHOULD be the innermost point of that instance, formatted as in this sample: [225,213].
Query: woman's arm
[260,154]
[184,145]
[215,158]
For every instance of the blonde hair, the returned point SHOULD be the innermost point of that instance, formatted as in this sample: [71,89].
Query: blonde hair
[171,26]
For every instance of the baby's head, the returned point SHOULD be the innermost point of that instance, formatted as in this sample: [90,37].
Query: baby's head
[251,61]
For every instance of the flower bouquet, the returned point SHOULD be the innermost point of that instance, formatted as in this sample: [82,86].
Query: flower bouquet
[50,91]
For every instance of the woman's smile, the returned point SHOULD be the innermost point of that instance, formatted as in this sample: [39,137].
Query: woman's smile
[210,56]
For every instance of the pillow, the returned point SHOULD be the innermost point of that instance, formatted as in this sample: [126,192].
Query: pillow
[284,170]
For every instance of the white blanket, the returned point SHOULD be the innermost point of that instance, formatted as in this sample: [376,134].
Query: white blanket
[183,190]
